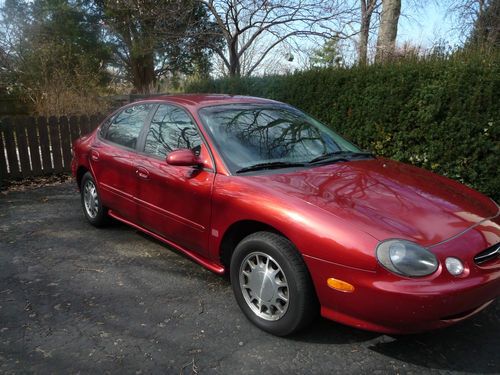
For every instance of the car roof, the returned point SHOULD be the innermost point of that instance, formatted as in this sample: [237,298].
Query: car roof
[204,100]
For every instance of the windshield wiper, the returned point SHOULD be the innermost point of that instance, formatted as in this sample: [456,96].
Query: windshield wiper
[270,165]
[340,156]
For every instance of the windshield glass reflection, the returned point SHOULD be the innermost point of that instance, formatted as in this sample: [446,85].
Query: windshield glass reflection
[252,134]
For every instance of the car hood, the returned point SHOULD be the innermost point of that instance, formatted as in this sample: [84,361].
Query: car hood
[387,199]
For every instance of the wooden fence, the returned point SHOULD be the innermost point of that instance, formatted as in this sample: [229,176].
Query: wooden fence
[32,147]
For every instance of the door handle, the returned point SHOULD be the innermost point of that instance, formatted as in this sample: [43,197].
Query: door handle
[142,173]
[94,155]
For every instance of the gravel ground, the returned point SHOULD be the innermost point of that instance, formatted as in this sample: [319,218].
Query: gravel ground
[75,299]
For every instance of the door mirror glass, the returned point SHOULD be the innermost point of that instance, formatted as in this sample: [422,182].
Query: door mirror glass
[183,157]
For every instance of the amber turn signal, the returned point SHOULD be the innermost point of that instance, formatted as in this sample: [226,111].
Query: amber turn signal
[340,285]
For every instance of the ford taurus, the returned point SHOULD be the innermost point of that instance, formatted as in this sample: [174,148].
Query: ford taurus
[303,221]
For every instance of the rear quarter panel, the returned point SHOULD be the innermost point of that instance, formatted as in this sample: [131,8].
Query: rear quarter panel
[81,147]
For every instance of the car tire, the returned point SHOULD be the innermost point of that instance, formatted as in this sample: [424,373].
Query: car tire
[272,285]
[94,211]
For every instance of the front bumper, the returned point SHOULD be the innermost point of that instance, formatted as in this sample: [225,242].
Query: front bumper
[387,303]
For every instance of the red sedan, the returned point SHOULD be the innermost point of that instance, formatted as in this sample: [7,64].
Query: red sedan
[302,220]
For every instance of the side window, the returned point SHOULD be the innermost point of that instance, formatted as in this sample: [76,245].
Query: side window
[105,125]
[126,126]
[171,129]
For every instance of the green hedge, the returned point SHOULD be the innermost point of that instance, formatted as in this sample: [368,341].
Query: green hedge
[439,114]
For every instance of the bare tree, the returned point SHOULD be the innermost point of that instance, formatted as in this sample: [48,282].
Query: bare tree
[465,13]
[367,9]
[244,22]
[388,30]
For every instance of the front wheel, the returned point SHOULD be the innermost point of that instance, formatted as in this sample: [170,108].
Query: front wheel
[93,209]
[272,284]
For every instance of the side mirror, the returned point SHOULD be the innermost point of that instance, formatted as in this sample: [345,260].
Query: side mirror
[183,157]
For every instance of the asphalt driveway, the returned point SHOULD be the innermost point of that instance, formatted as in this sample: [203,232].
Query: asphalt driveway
[78,299]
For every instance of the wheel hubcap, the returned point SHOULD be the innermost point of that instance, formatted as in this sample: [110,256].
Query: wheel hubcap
[264,286]
[90,199]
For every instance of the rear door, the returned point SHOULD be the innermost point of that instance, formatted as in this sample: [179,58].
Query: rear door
[113,158]
[175,201]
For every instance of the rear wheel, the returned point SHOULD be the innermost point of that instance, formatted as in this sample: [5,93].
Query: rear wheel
[93,209]
[272,284]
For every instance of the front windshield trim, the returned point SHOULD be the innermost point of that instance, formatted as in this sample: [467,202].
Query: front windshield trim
[232,169]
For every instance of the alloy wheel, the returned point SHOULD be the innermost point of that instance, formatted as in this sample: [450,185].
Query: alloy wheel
[264,286]
[91,199]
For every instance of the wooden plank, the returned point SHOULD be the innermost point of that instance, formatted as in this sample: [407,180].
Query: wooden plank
[65,142]
[84,126]
[10,144]
[34,144]
[95,121]
[22,146]
[3,160]
[55,143]
[43,133]
[74,128]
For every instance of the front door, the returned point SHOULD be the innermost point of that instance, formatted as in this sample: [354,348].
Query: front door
[175,201]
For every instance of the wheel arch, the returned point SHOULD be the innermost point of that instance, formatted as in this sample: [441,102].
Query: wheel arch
[79,174]
[237,232]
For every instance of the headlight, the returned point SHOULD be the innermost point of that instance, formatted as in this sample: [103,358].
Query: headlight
[406,258]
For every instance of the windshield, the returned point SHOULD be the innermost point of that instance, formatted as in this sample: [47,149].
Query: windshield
[249,134]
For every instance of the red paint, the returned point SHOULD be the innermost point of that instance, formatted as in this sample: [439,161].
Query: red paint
[183,158]
[334,214]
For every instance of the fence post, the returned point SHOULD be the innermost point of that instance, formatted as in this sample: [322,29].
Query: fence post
[34,145]
[84,126]
[65,142]
[22,146]
[10,145]
[44,145]
[95,121]
[74,128]
[55,142]
[3,160]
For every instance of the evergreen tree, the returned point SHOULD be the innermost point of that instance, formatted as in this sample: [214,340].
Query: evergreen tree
[54,53]
[152,39]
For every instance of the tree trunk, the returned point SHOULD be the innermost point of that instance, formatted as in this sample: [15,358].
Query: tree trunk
[363,41]
[367,7]
[143,73]
[386,41]
[234,60]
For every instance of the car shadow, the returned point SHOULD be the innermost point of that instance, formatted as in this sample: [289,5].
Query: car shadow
[323,331]
[470,346]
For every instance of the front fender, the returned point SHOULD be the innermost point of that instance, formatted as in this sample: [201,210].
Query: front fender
[313,231]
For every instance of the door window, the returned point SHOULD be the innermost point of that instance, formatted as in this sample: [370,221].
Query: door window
[125,127]
[171,128]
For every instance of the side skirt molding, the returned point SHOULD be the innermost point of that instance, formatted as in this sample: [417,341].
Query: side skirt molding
[211,266]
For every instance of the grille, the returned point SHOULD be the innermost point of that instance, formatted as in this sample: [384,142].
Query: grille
[490,253]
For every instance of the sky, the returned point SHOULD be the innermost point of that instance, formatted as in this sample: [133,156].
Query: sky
[426,25]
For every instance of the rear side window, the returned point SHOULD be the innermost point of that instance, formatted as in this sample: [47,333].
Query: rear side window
[104,127]
[171,128]
[126,126]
